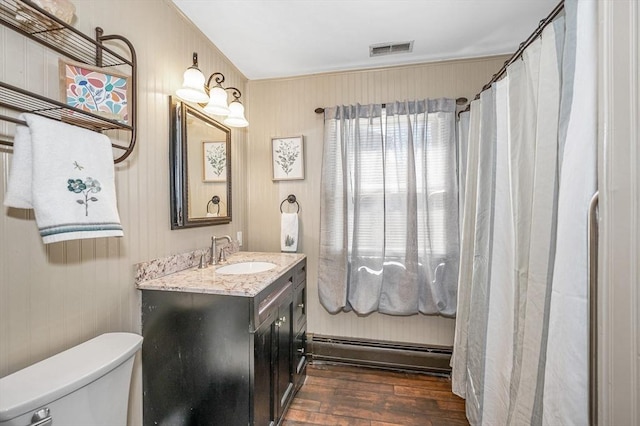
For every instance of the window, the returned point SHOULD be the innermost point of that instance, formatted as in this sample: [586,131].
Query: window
[380,169]
[389,219]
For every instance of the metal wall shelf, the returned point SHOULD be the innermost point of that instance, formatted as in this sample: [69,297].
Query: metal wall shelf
[37,24]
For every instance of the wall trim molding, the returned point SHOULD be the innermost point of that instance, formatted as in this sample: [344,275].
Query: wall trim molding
[412,357]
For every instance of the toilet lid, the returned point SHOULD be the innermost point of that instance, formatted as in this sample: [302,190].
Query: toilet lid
[50,379]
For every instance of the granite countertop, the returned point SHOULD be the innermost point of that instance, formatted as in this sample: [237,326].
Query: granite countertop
[206,280]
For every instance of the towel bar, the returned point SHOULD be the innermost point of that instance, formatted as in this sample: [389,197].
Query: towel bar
[58,36]
[291,199]
[593,308]
[215,200]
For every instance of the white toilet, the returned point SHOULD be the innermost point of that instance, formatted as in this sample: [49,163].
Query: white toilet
[86,385]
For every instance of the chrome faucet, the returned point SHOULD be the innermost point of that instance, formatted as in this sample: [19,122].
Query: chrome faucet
[214,259]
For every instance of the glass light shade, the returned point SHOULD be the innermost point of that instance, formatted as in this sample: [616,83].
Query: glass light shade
[192,89]
[217,102]
[236,115]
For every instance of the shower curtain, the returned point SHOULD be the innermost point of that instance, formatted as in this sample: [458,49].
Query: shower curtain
[520,350]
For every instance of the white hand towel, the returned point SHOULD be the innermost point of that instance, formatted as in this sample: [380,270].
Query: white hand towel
[289,232]
[19,186]
[66,174]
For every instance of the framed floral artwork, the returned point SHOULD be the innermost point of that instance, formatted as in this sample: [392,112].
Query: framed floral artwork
[95,90]
[287,156]
[214,155]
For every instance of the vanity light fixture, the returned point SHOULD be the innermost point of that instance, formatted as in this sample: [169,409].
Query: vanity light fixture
[194,89]
[236,112]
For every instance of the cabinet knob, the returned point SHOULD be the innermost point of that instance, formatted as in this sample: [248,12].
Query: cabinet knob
[283,319]
[300,350]
[301,305]
[278,323]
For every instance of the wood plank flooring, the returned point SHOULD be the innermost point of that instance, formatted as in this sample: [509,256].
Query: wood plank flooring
[357,396]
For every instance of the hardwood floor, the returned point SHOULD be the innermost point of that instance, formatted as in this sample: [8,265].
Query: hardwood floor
[358,396]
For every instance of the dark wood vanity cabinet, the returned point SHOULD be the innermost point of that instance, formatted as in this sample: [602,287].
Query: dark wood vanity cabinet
[224,360]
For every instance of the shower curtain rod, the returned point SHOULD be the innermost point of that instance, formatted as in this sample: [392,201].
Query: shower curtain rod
[459,101]
[320,110]
[521,48]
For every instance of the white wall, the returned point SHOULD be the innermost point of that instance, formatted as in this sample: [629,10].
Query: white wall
[56,296]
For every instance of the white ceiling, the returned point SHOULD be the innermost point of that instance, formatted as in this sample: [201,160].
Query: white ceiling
[282,38]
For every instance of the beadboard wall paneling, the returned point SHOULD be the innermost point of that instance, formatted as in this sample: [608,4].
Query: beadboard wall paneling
[56,296]
[285,107]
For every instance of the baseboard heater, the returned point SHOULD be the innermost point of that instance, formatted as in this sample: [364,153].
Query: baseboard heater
[380,354]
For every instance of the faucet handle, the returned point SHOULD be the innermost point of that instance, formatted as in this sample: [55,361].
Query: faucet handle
[223,256]
[213,259]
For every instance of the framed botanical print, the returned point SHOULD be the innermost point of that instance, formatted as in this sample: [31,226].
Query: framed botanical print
[287,156]
[214,157]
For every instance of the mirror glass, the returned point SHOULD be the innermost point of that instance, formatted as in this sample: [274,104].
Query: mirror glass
[200,152]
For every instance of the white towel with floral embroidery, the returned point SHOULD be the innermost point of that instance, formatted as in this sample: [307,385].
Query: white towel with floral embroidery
[66,174]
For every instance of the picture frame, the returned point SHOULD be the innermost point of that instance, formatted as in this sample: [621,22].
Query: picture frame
[287,158]
[214,161]
[95,90]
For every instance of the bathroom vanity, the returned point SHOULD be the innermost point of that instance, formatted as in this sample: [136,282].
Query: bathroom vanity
[224,349]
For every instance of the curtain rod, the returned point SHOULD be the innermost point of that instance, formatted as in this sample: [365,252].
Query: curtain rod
[521,48]
[459,101]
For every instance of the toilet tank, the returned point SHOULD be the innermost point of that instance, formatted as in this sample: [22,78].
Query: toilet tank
[86,385]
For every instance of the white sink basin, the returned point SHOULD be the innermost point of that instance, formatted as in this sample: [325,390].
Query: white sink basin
[245,268]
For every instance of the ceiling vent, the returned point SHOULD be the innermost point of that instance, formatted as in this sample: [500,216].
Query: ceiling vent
[390,48]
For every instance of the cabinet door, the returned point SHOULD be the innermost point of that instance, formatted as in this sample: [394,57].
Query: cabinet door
[299,306]
[264,345]
[284,361]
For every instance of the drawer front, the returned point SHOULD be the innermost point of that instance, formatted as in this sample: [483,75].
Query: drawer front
[300,274]
[268,301]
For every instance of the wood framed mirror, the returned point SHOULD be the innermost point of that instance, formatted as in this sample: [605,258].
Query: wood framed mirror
[200,160]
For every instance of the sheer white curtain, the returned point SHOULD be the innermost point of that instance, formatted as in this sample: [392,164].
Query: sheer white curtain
[520,351]
[389,209]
